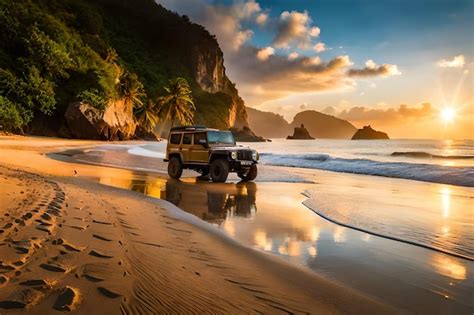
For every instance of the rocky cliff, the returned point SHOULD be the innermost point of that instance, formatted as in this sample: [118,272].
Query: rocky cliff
[209,73]
[368,133]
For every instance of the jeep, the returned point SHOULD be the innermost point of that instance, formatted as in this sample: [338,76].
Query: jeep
[209,152]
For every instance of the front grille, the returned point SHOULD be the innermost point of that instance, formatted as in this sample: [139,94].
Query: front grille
[244,155]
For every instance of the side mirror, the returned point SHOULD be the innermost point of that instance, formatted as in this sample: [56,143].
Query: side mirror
[203,142]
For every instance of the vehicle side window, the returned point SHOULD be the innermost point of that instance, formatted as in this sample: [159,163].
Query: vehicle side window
[199,136]
[175,138]
[187,138]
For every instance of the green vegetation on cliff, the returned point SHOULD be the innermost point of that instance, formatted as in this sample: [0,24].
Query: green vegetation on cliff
[55,52]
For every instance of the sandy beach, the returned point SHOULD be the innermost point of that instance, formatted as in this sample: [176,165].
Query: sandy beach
[67,243]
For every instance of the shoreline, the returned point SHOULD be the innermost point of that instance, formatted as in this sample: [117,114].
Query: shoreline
[272,278]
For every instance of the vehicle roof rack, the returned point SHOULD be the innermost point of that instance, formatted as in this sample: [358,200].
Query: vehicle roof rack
[188,128]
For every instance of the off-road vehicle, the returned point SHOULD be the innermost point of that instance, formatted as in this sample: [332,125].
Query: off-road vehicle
[209,152]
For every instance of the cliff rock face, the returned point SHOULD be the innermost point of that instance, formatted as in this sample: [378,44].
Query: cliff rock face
[209,73]
[300,133]
[209,70]
[368,133]
[115,123]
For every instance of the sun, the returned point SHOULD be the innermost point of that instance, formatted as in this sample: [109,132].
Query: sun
[448,114]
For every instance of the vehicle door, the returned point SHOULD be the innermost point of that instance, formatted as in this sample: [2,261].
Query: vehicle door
[200,152]
[174,143]
[186,145]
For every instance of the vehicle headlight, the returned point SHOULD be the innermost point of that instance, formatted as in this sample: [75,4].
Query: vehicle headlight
[254,155]
[233,155]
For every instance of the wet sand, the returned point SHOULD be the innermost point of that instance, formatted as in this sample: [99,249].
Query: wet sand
[67,243]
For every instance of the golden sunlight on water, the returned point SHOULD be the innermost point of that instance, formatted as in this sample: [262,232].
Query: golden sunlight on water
[446,200]
[449,267]
[261,240]
[339,234]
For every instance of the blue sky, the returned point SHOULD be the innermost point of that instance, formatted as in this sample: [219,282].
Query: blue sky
[374,57]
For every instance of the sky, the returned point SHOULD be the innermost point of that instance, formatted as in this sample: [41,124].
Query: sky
[392,64]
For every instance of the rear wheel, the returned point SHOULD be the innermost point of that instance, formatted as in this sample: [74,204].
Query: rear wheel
[249,174]
[219,170]
[175,167]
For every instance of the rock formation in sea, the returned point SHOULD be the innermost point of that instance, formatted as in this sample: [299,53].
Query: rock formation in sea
[300,133]
[246,135]
[368,133]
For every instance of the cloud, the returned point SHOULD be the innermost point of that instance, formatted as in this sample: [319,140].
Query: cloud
[319,47]
[403,112]
[372,69]
[279,77]
[261,19]
[457,62]
[295,28]
[264,53]
[225,21]
[293,56]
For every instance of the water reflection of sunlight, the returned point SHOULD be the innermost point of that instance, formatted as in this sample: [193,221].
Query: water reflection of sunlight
[446,200]
[229,227]
[449,267]
[339,235]
[312,251]
[314,234]
[261,240]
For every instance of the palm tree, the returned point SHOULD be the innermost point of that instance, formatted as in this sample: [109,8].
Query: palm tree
[178,104]
[132,90]
[147,115]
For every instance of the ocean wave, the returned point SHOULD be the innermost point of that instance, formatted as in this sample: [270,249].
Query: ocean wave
[407,231]
[460,176]
[421,154]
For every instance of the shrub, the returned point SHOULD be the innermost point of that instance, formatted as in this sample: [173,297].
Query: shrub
[93,98]
[10,116]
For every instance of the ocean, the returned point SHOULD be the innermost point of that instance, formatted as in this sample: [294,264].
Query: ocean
[437,161]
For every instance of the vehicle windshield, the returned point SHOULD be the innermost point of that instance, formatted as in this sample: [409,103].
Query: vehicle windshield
[220,137]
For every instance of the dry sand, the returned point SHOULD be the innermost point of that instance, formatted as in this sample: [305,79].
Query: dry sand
[68,244]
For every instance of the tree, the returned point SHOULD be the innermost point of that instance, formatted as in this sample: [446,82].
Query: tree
[131,90]
[147,115]
[178,104]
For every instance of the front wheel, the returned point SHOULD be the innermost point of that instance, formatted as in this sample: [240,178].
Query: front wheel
[175,167]
[219,170]
[249,174]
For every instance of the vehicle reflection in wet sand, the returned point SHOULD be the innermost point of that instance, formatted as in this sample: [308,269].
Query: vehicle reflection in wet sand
[210,202]
[415,278]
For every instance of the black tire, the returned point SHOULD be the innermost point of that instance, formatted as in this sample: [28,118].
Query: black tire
[219,170]
[175,167]
[250,174]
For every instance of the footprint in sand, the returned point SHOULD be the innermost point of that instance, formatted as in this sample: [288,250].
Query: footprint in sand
[101,222]
[41,283]
[102,238]
[53,268]
[68,299]
[108,293]
[97,253]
